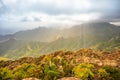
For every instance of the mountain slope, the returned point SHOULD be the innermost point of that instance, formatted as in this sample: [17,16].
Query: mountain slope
[41,34]
[102,36]
[17,49]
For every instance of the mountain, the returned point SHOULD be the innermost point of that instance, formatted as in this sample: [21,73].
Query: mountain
[94,30]
[13,48]
[104,31]
[101,30]
[39,41]
[5,37]
[41,34]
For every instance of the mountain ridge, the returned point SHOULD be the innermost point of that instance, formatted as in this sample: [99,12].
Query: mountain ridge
[44,40]
[44,34]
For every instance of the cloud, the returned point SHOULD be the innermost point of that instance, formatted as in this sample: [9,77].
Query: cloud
[58,7]
[30,19]
[52,12]
[61,6]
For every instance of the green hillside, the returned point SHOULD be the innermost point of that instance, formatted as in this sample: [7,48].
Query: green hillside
[19,49]
[39,41]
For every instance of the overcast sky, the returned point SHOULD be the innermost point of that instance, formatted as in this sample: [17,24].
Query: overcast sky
[27,14]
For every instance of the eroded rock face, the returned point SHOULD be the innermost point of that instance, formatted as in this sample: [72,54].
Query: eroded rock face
[70,78]
[30,79]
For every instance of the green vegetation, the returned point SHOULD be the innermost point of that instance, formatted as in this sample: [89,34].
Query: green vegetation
[102,74]
[27,70]
[99,36]
[114,73]
[34,49]
[51,72]
[3,59]
[5,74]
[84,71]
[62,64]
[109,73]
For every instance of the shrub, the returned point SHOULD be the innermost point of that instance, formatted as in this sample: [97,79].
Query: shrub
[35,71]
[51,72]
[57,60]
[84,71]
[28,70]
[102,74]
[67,68]
[5,74]
[113,71]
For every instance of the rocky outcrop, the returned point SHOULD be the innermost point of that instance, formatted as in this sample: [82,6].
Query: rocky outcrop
[70,78]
